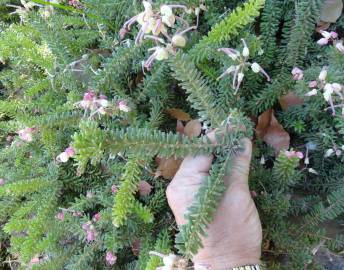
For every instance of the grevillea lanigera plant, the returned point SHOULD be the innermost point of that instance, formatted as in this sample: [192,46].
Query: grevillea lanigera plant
[100,101]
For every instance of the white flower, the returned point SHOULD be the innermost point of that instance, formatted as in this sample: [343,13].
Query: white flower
[328,91]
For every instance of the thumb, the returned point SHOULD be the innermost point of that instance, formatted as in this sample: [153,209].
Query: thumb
[241,164]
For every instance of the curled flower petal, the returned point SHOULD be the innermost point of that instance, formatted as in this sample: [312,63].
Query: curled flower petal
[340,46]
[325,34]
[313,92]
[328,152]
[323,75]
[322,41]
[63,157]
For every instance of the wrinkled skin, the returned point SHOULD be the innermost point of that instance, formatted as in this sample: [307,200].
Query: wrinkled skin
[235,235]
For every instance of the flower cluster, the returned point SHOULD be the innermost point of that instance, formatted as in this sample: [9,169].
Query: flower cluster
[331,91]
[68,153]
[293,154]
[331,37]
[241,60]
[335,150]
[88,227]
[26,134]
[100,104]
[157,25]
[75,3]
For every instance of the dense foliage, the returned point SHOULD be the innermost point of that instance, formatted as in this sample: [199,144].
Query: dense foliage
[88,101]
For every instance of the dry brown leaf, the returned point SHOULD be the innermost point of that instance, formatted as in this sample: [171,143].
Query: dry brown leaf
[322,26]
[289,100]
[193,129]
[178,114]
[167,168]
[271,132]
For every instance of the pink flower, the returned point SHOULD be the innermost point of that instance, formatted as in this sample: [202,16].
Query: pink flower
[294,154]
[77,214]
[333,34]
[70,151]
[60,216]
[89,194]
[66,155]
[26,134]
[89,95]
[122,106]
[90,235]
[2,181]
[86,226]
[114,189]
[96,217]
[144,188]
[313,84]
[297,74]
[110,258]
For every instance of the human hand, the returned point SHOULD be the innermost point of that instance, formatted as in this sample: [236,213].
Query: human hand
[235,235]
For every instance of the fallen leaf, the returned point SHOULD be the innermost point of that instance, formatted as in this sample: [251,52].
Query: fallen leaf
[178,114]
[193,129]
[167,168]
[331,10]
[270,131]
[289,100]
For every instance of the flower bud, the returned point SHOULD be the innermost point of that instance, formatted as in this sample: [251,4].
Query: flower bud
[178,41]
[255,67]
[246,52]
[161,54]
